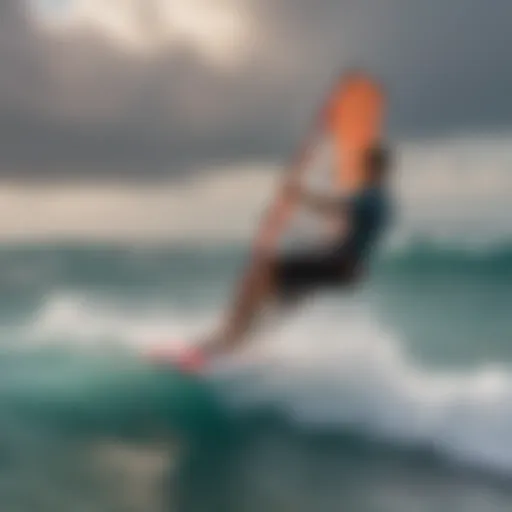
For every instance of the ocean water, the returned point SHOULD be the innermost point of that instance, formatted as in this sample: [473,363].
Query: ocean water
[397,397]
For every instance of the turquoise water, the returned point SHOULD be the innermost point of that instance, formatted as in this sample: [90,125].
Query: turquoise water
[396,398]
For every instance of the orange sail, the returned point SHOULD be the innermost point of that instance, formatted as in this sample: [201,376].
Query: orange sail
[355,114]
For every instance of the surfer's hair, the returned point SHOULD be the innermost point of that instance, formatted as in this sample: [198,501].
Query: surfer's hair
[378,163]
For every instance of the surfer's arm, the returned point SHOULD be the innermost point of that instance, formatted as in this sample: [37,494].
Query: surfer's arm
[324,205]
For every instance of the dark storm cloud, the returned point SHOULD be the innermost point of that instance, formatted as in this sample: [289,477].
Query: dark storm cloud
[77,104]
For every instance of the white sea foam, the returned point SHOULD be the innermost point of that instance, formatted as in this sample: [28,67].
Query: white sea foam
[330,367]
[334,373]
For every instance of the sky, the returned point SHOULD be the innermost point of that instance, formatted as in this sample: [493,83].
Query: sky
[135,93]
[141,88]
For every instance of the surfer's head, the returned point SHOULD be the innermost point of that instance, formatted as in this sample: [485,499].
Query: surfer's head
[377,164]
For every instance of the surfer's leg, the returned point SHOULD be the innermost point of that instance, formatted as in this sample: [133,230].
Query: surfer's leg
[255,291]
[287,280]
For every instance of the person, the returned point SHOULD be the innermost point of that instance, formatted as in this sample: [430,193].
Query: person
[286,279]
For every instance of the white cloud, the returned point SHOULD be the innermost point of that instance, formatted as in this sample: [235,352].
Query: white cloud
[219,30]
[221,205]
[441,186]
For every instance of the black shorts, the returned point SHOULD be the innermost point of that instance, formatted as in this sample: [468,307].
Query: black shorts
[301,273]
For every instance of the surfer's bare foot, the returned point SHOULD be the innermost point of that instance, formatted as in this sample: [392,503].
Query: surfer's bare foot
[190,359]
